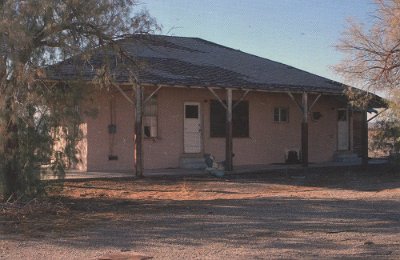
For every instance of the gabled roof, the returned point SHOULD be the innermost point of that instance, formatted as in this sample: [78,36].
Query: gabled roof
[186,61]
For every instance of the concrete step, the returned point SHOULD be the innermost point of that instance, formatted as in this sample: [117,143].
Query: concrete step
[192,162]
[346,157]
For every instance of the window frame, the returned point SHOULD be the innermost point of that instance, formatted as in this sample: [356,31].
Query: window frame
[280,108]
[149,103]
[222,121]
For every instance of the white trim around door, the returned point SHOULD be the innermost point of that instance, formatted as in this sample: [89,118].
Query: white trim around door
[192,127]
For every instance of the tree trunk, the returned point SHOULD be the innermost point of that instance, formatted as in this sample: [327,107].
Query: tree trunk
[11,169]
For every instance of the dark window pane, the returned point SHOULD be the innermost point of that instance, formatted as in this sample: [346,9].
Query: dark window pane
[276,114]
[191,111]
[240,119]
[284,117]
[217,119]
[147,132]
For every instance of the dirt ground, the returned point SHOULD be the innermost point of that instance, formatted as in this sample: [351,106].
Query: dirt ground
[335,213]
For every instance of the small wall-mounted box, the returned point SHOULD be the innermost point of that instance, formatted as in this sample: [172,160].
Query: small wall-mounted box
[113,158]
[112,128]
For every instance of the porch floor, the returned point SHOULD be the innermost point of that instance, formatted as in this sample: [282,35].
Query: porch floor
[79,175]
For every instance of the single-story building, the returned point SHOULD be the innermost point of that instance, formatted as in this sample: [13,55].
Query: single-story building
[193,97]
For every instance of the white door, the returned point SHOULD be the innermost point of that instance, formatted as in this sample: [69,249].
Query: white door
[192,128]
[343,130]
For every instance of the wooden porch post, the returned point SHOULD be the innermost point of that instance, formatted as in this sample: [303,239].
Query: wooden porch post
[350,128]
[139,130]
[305,109]
[228,140]
[364,138]
[304,130]
[228,123]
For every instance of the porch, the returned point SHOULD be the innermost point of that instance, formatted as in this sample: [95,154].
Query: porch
[178,172]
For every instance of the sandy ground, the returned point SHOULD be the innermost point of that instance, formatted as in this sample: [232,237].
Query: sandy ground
[326,214]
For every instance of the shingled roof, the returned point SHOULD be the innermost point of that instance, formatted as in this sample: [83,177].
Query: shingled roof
[183,61]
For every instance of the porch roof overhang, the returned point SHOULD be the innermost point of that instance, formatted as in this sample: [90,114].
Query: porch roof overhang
[374,101]
[194,63]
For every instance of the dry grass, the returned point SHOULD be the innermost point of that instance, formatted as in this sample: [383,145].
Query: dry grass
[333,213]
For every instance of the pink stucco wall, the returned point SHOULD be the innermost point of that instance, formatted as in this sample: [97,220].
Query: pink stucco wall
[266,144]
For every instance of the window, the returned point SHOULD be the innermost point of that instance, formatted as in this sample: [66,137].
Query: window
[150,118]
[281,114]
[191,111]
[240,119]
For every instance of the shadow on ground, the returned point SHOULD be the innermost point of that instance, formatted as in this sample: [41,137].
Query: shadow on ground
[289,224]
[375,178]
[323,227]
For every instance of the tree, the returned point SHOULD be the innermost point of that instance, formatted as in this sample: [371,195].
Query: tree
[33,35]
[372,56]
[386,136]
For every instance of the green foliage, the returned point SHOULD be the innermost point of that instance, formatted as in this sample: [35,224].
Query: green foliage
[46,132]
[40,120]
[386,137]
